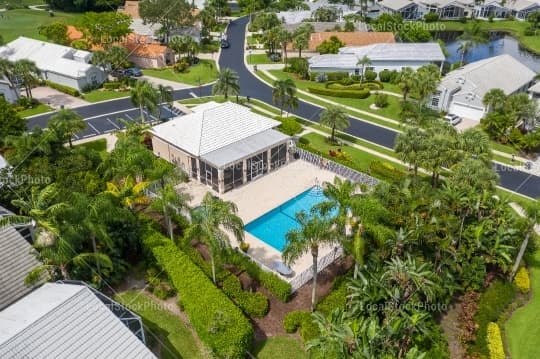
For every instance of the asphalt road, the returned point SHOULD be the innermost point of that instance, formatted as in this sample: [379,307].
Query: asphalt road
[100,116]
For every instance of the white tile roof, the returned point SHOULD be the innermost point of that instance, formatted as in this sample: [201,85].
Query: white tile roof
[16,261]
[535,88]
[345,61]
[212,126]
[424,51]
[47,56]
[519,5]
[396,4]
[64,321]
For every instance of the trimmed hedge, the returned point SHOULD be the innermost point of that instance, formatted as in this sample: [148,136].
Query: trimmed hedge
[385,171]
[62,88]
[253,304]
[361,94]
[218,322]
[336,76]
[112,85]
[494,342]
[289,125]
[301,319]
[373,85]
[337,297]
[522,281]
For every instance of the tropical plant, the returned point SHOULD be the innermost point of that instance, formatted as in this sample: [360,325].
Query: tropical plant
[494,99]
[364,61]
[144,96]
[409,145]
[170,202]
[226,83]
[66,123]
[532,215]
[28,72]
[406,81]
[284,94]
[165,96]
[129,192]
[300,37]
[464,48]
[336,118]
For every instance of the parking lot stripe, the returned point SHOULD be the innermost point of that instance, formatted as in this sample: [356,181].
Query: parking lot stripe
[112,123]
[95,129]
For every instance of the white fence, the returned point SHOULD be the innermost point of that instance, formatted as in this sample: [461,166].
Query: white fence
[323,262]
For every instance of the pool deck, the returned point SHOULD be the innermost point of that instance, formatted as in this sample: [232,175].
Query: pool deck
[264,194]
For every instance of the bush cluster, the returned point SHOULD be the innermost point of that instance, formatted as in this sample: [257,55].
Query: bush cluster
[253,304]
[381,100]
[370,75]
[521,280]
[385,171]
[289,125]
[303,141]
[298,65]
[112,85]
[361,94]
[494,342]
[301,319]
[388,76]
[336,76]
[373,85]
[62,88]
[218,322]
[337,297]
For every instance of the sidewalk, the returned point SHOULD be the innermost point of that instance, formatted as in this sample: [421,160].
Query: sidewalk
[175,85]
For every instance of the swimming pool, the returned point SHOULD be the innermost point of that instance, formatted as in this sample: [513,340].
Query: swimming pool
[272,226]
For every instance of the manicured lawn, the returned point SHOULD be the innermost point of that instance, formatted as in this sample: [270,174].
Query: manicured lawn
[258,59]
[161,326]
[504,148]
[199,74]
[25,22]
[41,108]
[97,145]
[522,330]
[103,95]
[279,347]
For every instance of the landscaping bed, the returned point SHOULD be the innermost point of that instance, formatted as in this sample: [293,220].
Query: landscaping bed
[203,72]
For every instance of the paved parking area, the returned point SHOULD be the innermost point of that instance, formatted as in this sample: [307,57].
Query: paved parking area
[55,98]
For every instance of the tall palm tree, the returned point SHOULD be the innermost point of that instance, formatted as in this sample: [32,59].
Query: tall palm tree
[212,222]
[66,123]
[28,72]
[165,96]
[169,202]
[464,48]
[336,118]
[284,38]
[532,213]
[300,41]
[409,145]
[315,230]
[364,61]
[145,96]
[7,71]
[494,99]
[226,83]
[406,81]
[284,94]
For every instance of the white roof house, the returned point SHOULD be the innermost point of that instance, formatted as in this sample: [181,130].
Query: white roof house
[215,137]
[461,91]
[389,56]
[57,63]
[8,92]
[65,321]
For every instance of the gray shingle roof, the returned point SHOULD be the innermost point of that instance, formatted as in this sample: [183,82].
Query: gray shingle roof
[64,321]
[16,261]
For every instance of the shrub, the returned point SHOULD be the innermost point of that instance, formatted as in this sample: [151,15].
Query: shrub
[336,299]
[301,319]
[181,66]
[293,320]
[336,76]
[494,342]
[521,280]
[303,141]
[253,304]
[218,322]
[381,100]
[370,75]
[431,17]
[163,291]
[346,81]
[289,125]
[385,171]
[112,85]
[364,93]
[373,85]
[355,78]
[298,65]
[385,76]
[62,88]
[529,31]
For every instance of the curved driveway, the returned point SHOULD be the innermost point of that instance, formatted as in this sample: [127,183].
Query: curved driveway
[250,85]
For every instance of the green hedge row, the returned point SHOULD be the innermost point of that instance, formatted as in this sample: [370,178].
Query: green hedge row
[289,125]
[385,171]
[337,297]
[301,319]
[112,85]
[62,88]
[218,322]
[364,93]
[254,304]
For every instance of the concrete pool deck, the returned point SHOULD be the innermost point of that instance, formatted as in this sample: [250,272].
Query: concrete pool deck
[264,194]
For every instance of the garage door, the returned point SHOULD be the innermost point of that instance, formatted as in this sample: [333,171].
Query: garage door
[466,111]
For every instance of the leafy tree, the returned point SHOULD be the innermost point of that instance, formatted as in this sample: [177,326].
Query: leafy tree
[426,81]
[473,175]
[284,38]
[534,18]
[65,124]
[363,62]
[128,192]
[11,124]
[415,32]
[330,46]
[301,36]
[494,99]
[265,21]
[170,202]
[406,81]
[409,145]
[336,118]
[226,83]
[28,72]
[105,28]
[80,6]
[314,232]
[145,96]
[325,14]
[284,94]
[210,221]
[7,71]
[170,14]
[55,31]
[272,39]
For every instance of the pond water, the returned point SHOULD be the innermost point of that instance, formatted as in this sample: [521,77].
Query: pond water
[500,44]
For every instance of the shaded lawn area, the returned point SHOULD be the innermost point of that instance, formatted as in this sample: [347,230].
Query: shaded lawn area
[161,326]
[97,145]
[202,73]
[41,108]
[103,95]
[20,3]
[522,330]
[258,59]
[279,347]
[25,22]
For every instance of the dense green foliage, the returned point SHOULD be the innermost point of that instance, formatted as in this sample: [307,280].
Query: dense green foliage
[289,125]
[360,94]
[63,88]
[300,319]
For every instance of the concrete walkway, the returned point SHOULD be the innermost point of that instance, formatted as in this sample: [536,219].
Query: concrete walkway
[173,84]
[56,99]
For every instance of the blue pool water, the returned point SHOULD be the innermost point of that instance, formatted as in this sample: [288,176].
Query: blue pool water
[272,226]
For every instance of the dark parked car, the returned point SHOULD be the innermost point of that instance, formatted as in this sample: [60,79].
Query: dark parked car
[224,44]
[275,57]
[118,73]
[134,71]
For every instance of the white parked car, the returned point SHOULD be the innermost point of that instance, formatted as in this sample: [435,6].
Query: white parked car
[452,119]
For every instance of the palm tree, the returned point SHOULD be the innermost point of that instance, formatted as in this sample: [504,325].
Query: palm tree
[165,96]
[409,144]
[7,71]
[336,118]
[532,213]
[66,123]
[145,96]
[226,83]
[406,81]
[170,201]
[28,72]
[315,230]
[494,99]
[363,62]
[128,192]
[212,222]
[464,48]
[284,94]
[300,41]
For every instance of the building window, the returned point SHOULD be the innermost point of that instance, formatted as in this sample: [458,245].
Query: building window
[435,99]
[278,156]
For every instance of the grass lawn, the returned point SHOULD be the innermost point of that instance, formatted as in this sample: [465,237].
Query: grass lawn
[522,331]
[199,74]
[20,3]
[97,145]
[160,324]
[103,95]
[41,108]
[258,59]
[25,22]
[504,148]
[279,347]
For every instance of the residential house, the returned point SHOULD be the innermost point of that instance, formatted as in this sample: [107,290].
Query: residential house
[461,91]
[492,9]
[446,9]
[520,9]
[349,38]
[64,321]
[8,92]
[60,64]
[325,26]
[387,56]
[222,145]
[408,9]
